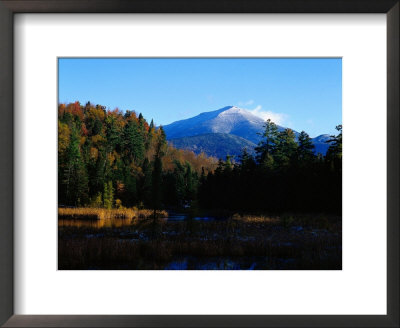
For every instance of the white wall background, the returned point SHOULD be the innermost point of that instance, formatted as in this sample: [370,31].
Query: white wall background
[360,288]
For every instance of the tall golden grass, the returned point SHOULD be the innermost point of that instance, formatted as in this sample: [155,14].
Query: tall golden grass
[102,213]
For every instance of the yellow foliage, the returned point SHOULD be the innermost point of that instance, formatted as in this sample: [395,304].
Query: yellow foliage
[97,201]
[63,136]
[96,113]
[135,169]
[111,157]
[118,204]
[94,153]
[98,139]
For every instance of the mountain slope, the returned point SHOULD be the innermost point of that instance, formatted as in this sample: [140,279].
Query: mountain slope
[225,131]
[230,119]
[320,143]
[214,144]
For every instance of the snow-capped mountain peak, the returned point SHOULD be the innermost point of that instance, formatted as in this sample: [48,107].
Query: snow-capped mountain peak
[214,126]
[229,119]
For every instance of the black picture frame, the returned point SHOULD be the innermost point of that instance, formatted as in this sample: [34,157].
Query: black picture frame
[10,7]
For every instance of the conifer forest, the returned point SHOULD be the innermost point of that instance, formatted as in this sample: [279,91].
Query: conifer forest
[129,200]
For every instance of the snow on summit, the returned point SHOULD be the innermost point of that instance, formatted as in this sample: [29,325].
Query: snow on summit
[229,119]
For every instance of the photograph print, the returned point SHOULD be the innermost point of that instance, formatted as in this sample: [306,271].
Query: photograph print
[199,164]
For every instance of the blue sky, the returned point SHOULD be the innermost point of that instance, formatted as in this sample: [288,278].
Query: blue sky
[303,94]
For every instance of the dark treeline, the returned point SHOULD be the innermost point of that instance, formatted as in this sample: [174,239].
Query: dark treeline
[285,175]
[115,159]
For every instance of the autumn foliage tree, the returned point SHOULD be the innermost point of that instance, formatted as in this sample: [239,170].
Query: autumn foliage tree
[109,155]
[116,159]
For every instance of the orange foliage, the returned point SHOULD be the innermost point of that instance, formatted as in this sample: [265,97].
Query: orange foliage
[84,131]
[120,187]
[75,109]
[94,153]
[61,109]
[133,116]
[96,113]
[98,139]
[112,157]
[182,156]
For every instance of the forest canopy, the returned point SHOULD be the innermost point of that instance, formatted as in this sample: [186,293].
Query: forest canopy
[114,158]
[117,159]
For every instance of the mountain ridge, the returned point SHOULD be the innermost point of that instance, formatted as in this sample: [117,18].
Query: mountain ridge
[229,120]
[210,144]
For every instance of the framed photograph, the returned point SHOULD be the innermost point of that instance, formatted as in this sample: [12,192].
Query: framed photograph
[183,164]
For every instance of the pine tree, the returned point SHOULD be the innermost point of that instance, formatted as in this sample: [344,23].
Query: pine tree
[157,170]
[247,163]
[74,177]
[112,133]
[133,143]
[145,183]
[130,187]
[190,183]
[335,149]
[286,148]
[268,143]
[156,182]
[305,150]
[149,136]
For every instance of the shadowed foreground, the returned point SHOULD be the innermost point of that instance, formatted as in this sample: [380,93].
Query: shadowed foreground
[238,242]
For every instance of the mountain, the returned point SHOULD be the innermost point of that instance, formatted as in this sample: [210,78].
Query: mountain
[215,144]
[230,119]
[320,143]
[225,131]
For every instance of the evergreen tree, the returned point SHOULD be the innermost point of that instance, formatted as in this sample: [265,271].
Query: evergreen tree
[190,183]
[145,182]
[335,149]
[75,177]
[149,137]
[266,147]
[157,170]
[286,148]
[133,143]
[178,186]
[156,183]
[305,150]
[99,150]
[130,188]
[108,195]
[112,133]
[247,162]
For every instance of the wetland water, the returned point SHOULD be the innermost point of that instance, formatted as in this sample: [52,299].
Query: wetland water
[118,222]
[182,242]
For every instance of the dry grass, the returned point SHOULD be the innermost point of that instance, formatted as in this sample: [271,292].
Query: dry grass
[255,219]
[102,213]
[272,242]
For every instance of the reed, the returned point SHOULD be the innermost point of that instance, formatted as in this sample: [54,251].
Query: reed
[86,213]
[284,242]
